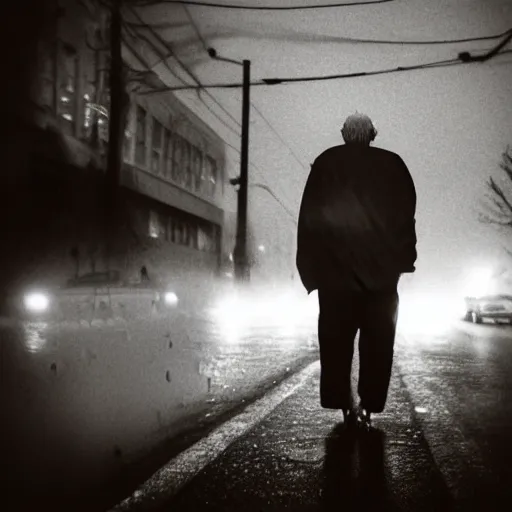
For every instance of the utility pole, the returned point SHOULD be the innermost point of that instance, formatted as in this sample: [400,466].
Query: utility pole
[116,86]
[115,135]
[242,271]
[242,267]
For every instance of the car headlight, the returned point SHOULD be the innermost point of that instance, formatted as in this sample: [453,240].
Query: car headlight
[171,299]
[36,302]
[479,282]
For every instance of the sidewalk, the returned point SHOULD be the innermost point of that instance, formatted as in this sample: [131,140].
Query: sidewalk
[286,453]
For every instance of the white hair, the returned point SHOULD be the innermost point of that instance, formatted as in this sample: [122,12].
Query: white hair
[358,129]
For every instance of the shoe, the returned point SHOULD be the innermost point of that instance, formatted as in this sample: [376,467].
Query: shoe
[364,419]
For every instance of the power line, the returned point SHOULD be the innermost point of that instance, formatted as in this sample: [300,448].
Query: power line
[297,159]
[262,8]
[266,187]
[276,81]
[162,58]
[196,28]
[412,42]
[276,197]
[205,47]
[467,57]
[193,76]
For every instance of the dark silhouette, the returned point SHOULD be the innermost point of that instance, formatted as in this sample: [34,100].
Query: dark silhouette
[144,276]
[356,236]
[353,474]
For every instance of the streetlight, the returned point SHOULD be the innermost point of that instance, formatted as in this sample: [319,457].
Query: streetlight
[240,253]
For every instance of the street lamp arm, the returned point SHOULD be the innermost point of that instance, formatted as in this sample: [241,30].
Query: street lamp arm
[212,52]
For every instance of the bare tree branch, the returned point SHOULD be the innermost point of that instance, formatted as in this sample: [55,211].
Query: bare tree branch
[498,191]
[497,210]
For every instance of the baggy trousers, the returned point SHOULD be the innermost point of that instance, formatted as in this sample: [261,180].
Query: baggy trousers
[342,314]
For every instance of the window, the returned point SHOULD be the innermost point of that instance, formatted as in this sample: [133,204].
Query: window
[167,163]
[169,235]
[185,234]
[156,147]
[66,105]
[186,176]
[127,139]
[88,111]
[156,225]
[140,137]
[210,176]
[178,232]
[177,159]
[154,230]
[181,162]
[197,168]
[204,239]
[103,112]
[192,240]
[45,92]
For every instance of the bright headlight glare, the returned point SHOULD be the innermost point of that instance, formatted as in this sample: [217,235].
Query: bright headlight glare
[36,302]
[479,282]
[171,298]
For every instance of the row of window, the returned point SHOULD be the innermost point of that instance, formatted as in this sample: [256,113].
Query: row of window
[190,233]
[172,156]
[157,149]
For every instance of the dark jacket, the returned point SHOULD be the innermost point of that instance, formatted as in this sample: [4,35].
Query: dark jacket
[356,223]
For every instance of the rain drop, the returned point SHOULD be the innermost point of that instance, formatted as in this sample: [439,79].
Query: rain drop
[168,376]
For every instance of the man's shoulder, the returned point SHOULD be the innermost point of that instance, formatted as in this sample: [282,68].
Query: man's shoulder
[342,150]
[329,153]
[384,152]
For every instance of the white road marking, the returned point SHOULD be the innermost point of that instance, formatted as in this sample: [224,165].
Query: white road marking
[169,479]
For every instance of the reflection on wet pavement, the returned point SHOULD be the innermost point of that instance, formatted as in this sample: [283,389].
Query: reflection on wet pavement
[85,401]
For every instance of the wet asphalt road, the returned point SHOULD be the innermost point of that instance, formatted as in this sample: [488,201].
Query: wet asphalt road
[301,457]
[463,380]
[442,444]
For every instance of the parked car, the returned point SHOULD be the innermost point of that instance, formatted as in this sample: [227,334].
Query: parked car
[497,308]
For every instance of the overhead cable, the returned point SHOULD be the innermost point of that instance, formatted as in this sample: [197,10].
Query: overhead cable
[199,87]
[205,47]
[145,3]
[276,81]
[412,42]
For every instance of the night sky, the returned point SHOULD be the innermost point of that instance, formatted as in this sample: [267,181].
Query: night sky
[450,125]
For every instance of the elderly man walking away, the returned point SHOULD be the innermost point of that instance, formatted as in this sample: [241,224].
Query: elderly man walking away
[356,236]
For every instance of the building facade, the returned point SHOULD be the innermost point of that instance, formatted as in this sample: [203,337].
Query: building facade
[173,174]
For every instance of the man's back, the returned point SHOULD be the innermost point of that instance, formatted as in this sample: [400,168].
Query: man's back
[356,235]
[356,226]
